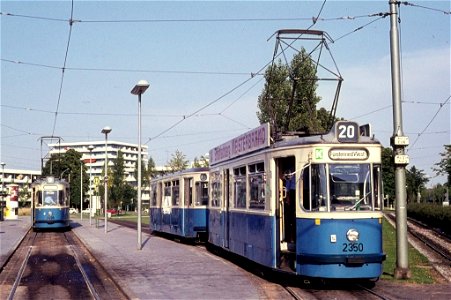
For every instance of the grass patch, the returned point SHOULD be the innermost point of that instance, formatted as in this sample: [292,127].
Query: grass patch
[145,219]
[422,272]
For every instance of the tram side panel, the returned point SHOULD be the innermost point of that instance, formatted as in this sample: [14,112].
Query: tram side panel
[251,236]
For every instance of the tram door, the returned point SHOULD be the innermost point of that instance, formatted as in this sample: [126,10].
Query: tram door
[286,192]
[226,198]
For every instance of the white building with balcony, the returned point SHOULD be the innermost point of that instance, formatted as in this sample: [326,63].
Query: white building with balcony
[23,178]
[95,159]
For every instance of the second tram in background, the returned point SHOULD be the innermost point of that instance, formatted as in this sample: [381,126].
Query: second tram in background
[50,204]
[308,205]
[178,204]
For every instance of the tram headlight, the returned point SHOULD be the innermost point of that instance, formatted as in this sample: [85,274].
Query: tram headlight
[352,235]
[50,214]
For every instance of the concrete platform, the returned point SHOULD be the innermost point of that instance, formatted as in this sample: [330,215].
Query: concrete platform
[11,234]
[165,269]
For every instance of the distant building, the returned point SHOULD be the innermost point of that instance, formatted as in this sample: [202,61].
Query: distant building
[95,161]
[23,178]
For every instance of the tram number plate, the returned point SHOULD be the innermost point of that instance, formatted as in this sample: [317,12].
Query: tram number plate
[352,247]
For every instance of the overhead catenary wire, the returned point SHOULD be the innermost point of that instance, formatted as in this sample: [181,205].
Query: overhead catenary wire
[180,116]
[186,20]
[430,122]
[446,12]
[63,69]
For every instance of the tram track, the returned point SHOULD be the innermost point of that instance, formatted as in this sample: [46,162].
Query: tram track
[55,265]
[431,243]
[434,240]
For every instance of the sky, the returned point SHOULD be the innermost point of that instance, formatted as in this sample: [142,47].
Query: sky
[204,62]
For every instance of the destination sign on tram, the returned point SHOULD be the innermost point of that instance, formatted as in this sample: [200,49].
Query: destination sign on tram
[255,139]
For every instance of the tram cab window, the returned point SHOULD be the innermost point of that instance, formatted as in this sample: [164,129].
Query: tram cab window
[62,198]
[350,186]
[338,187]
[240,187]
[201,193]
[377,186]
[38,201]
[50,198]
[216,189]
[257,185]
[319,188]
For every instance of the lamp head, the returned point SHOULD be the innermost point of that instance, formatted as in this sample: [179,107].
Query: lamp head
[140,87]
[106,130]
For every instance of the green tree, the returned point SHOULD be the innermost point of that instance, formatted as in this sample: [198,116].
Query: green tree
[288,100]
[444,165]
[151,169]
[178,162]
[201,162]
[69,166]
[416,180]
[122,192]
[388,174]
[24,196]
[436,194]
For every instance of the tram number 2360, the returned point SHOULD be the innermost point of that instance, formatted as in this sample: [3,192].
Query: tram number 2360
[352,247]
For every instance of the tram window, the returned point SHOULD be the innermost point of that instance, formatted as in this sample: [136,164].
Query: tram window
[167,192]
[377,185]
[306,188]
[201,193]
[216,189]
[153,195]
[350,187]
[50,198]
[175,193]
[257,186]
[38,198]
[318,187]
[61,198]
[240,187]
[189,191]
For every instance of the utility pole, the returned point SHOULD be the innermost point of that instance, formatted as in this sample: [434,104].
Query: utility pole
[399,142]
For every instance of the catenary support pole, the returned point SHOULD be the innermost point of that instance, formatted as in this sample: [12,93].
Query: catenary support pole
[398,142]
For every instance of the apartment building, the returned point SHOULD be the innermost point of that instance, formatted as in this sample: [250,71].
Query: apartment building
[95,159]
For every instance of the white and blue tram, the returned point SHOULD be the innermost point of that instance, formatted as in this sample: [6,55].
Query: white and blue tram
[178,204]
[50,204]
[308,205]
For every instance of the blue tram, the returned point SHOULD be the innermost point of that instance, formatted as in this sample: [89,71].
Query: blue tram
[178,204]
[50,204]
[308,205]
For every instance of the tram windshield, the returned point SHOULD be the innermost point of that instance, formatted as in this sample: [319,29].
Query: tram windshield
[339,187]
[50,198]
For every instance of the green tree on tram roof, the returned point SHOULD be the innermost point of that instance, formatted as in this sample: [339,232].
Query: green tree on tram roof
[289,99]
[201,162]
[178,162]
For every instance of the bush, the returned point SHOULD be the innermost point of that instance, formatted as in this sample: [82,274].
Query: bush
[431,214]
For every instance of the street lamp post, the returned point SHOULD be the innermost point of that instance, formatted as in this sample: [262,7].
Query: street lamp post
[81,190]
[90,148]
[105,131]
[3,179]
[139,89]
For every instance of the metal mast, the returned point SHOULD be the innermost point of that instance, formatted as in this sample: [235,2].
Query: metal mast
[398,142]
